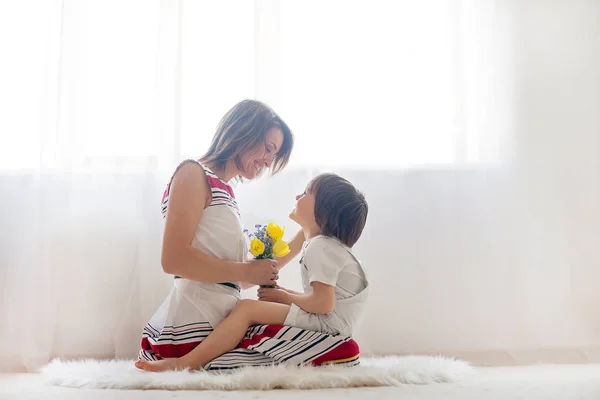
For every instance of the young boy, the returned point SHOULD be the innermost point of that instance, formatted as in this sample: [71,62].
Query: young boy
[332,214]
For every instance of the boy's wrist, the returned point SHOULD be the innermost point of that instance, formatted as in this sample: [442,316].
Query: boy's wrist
[288,298]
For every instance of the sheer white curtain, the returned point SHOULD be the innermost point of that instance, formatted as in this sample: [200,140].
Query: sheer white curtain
[472,126]
[90,127]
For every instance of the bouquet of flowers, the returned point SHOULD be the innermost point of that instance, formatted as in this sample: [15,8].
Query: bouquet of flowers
[266,242]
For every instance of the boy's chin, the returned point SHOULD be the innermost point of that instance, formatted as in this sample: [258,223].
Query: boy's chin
[294,218]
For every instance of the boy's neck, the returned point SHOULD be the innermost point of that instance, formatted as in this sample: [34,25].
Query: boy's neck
[311,232]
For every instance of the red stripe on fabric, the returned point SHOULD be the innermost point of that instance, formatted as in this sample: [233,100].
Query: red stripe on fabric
[217,183]
[165,193]
[169,350]
[345,350]
[269,332]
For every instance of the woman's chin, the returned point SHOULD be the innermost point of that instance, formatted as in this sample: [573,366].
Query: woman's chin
[253,174]
[249,175]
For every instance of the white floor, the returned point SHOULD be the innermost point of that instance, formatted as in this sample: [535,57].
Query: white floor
[529,382]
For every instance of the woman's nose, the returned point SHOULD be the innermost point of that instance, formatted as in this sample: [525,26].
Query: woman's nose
[268,160]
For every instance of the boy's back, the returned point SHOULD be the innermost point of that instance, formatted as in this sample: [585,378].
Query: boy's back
[328,261]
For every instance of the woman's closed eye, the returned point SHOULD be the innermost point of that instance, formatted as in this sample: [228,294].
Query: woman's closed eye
[271,148]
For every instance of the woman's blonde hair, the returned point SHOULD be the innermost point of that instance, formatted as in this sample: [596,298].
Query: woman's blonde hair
[243,129]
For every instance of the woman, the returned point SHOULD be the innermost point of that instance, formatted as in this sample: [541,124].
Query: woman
[204,246]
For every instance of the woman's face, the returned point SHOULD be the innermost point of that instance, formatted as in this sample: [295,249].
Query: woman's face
[255,161]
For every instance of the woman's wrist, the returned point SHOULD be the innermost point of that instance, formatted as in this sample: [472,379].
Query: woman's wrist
[238,271]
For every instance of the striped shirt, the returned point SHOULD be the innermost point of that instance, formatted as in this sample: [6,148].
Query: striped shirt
[221,192]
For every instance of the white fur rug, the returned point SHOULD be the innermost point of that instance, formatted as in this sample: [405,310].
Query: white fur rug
[386,371]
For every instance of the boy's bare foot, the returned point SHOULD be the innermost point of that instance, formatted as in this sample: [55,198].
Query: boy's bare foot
[168,364]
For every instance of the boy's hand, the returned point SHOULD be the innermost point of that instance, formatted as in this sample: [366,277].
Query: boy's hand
[277,295]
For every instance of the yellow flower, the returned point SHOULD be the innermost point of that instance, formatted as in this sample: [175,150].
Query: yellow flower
[275,231]
[281,249]
[256,247]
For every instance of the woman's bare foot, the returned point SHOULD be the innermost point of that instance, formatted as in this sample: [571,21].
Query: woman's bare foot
[167,364]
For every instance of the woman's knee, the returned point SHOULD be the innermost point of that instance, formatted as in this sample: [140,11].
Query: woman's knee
[243,310]
[244,305]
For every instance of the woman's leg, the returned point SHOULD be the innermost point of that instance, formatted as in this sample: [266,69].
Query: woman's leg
[226,336]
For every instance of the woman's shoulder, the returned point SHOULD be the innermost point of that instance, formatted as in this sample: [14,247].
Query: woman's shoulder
[191,167]
[194,169]
[189,174]
[217,191]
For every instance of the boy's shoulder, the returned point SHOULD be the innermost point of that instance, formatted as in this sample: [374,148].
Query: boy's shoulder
[327,244]
[321,241]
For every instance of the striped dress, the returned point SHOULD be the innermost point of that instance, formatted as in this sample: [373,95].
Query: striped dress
[192,309]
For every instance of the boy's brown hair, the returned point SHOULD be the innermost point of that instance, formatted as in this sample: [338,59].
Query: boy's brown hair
[243,128]
[340,209]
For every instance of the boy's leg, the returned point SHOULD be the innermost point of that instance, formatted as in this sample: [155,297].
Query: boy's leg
[226,336]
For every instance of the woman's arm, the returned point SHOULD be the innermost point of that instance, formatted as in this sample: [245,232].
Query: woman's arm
[189,195]
[320,301]
[246,285]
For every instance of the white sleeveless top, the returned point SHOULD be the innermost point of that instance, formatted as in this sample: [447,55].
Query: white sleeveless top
[220,230]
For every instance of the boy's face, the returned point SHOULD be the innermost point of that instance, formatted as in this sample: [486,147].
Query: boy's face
[304,212]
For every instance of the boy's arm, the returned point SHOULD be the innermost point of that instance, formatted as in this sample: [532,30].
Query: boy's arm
[291,291]
[295,247]
[320,301]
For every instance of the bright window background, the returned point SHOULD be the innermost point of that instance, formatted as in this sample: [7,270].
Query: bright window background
[388,84]
[383,84]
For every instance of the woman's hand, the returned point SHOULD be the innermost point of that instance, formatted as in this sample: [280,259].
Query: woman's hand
[277,295]
[261,272]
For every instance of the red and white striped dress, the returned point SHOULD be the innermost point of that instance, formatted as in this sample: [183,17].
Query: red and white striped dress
[192,309]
